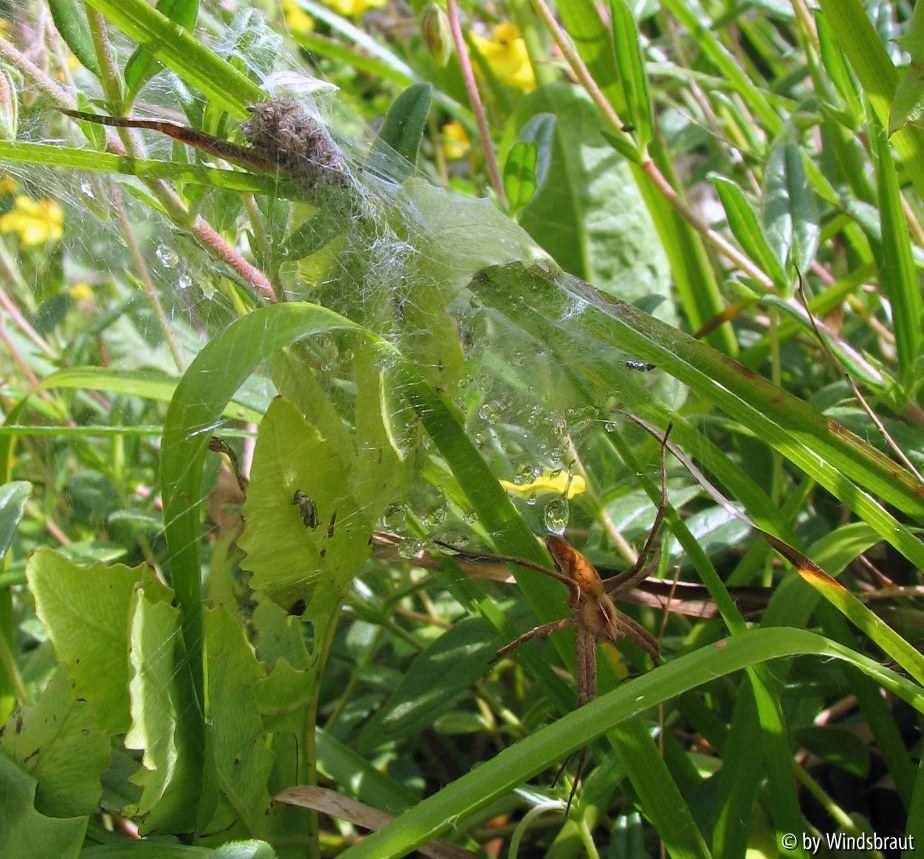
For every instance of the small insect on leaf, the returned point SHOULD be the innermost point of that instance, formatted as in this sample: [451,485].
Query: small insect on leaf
[641,366]
[306,509]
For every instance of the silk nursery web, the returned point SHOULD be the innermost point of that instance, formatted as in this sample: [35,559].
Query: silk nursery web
[455,286]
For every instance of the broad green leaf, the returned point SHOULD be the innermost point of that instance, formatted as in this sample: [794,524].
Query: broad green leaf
[58,742]
[71,22]
[543,747]
[177,49]
[238,747]
[899,277]
[790,214]
[520,174]
[286,555]
[86,612]
[27,832]
[589,215]
[746,228]
[161,695]
[433,683]
[141,66]
[13,497]
[403,129]
[631,66]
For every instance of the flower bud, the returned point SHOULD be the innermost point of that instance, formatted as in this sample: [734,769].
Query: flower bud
[434,28]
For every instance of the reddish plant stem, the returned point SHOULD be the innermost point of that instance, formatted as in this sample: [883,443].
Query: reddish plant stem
[474,97]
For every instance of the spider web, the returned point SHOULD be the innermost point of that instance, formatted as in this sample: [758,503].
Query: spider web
[388,250]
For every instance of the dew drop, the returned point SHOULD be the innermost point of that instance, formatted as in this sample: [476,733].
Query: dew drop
[410,548]
[526,474]
[487,412]
[610,426]
[556,515]
[184,281]
[531,499]
[86,187]
[167,256]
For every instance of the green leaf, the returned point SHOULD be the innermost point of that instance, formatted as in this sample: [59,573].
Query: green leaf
[531,755]
[86,612]
[839,747]
[71,23]
[58,742]
[239,748]
[836,66]
[141,66]
[211,380]
[161,699]
[746,228]
[589,215]
[287,556]
[536,300]
[433,683]
[13,497]
[27,832]
[403,129]
[180,51]
[520,174]
[899,276]
[631,66]
[790,215]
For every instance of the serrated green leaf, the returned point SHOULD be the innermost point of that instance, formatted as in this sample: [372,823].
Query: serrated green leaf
[27,832]
[86,612]
[163,710]
[13,497]
[287,556]
[239,748]
[71,23]
[58,742]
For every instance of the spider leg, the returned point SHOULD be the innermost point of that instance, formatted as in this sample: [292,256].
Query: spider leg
[513,559]
[627,580]
[543,631]
[629,628]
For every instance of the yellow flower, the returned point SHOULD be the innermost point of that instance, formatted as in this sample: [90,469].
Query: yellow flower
[557,482]
[297,19]
[36,221]
[81,292]
[7,184]
[455,140]
[505,52]
[354,8]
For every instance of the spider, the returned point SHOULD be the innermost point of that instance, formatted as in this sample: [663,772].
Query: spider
[593,610]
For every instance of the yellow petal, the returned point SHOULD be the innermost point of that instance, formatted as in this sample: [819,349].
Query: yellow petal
[557,482]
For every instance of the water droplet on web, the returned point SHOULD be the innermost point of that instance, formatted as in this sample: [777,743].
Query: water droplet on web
[167,256]
[531,499]
[526,474]
[86,187]
[487,412]
[410,548]
[184,281]
[610,426]
[556,515]
[436,517]
[395,517]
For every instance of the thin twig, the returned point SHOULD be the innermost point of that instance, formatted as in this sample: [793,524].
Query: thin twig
[474,97]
